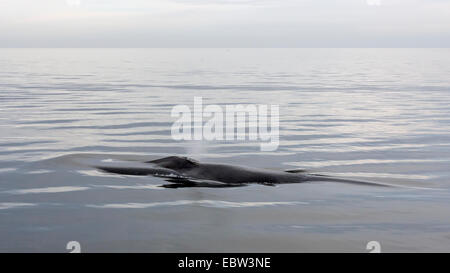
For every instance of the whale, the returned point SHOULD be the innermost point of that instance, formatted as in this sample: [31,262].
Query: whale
[185,171]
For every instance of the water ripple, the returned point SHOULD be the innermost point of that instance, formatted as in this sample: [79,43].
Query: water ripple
[201,203]
[48,190]
[15,205]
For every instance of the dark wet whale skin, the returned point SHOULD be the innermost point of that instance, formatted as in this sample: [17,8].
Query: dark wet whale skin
[184,167]
[226,173]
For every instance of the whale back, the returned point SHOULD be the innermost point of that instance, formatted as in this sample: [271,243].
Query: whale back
[176,162]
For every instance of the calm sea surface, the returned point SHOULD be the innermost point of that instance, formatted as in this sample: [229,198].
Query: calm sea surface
[381,115]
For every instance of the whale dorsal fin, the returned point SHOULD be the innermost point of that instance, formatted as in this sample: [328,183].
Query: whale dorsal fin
[296,171]
[175,162]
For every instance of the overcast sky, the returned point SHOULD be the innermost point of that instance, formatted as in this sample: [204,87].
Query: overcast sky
[224,23]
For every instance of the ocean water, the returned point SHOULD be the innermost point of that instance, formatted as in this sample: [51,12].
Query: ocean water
[381,115]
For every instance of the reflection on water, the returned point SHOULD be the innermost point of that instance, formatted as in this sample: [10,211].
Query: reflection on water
[379,115]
